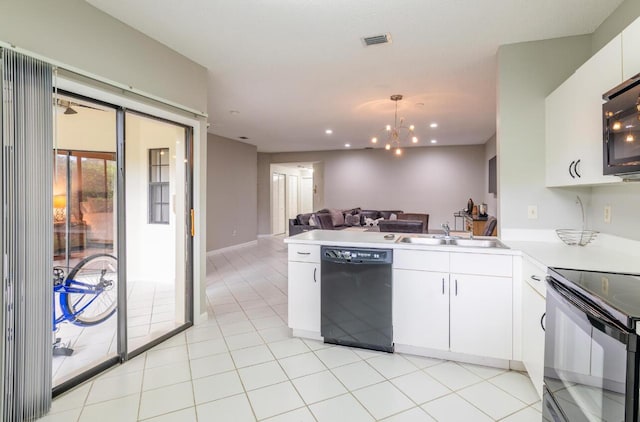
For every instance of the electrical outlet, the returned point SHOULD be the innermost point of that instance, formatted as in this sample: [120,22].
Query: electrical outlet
[532,212]
[607,213]
[234,233]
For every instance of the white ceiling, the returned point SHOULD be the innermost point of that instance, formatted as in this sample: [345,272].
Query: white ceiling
[294,68]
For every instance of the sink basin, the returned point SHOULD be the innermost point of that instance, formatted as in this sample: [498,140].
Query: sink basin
[422,240]
[478,243]
[468,243]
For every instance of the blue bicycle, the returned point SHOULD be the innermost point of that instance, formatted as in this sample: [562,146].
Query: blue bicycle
[87,296]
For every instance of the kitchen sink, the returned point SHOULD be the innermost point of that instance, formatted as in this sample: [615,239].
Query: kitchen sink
[420,240]
[479,243]
[452,241]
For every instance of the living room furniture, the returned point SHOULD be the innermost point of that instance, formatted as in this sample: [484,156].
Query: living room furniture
[476,225]
[326,221]
[77,237]
[416,216]
[401,226]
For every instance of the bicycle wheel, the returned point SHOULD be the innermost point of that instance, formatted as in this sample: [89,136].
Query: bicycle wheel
[95,281]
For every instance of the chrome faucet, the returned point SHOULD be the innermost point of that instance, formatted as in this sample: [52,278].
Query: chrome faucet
[447,230]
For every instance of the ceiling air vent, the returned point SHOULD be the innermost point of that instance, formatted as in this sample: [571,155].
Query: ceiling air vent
[377,39]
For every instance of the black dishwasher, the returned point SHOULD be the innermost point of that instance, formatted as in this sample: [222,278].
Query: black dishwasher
[356,297]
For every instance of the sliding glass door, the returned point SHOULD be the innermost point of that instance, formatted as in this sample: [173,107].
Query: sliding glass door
[157,199]
[84,237]
[122,241]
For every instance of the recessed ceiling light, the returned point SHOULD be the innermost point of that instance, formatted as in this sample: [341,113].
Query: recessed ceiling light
[347,145]
[433,141]
[433,125]
[234,112]
[328,131]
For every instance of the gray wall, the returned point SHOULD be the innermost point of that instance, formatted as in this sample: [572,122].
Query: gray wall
[77,34]
[626,13]
[432,180]
[231,192]
[623,199]
[527,73]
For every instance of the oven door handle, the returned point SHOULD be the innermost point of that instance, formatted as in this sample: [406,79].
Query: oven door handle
[598,319]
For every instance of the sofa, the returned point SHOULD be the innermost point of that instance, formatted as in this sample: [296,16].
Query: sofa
[335,219]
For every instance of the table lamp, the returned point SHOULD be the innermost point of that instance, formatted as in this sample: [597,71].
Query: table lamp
[59,208]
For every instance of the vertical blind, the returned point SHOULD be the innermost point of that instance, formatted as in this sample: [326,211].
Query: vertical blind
[26,232]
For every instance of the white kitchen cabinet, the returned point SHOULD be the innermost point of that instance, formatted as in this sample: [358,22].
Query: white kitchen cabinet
[481,315]
[631,50]
[304,289]
[533,312]
[421,309]
[573,125]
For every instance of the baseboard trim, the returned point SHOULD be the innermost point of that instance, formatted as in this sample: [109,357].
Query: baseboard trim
[232,247]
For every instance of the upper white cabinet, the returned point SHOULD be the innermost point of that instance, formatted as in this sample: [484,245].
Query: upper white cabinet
[573,125]
[631,50]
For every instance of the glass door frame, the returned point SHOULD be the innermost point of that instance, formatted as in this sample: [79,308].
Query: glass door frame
[122,353]
[189,227]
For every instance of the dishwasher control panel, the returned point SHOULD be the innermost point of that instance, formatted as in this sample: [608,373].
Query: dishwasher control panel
[336,254]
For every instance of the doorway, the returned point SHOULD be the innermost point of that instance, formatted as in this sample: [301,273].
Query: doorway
[122,228]
[291,188]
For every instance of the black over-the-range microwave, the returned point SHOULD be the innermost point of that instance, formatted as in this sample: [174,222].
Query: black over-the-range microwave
[621,130]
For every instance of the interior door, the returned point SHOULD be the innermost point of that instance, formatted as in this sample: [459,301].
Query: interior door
[278,201]
[292,196]
[306,195]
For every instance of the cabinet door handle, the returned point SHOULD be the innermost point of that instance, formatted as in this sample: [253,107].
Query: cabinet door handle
[304,253]
[542,321]
[535,277]
[456,287]
[442,285]
[575,169]
[571,170]
[315,269]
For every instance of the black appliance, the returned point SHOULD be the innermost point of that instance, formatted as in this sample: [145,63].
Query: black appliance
[356,293]
[591,346]
[621,130]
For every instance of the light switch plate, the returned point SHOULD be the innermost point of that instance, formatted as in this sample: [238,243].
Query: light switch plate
[532,212]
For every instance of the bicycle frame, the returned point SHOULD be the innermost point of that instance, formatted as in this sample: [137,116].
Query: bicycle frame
[64,289]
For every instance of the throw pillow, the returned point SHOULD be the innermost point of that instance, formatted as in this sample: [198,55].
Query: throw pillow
[337,217]
[393,216]
[312,220]
[352,220]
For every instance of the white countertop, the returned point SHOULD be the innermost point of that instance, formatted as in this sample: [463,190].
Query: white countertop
[607,253]
[362,239]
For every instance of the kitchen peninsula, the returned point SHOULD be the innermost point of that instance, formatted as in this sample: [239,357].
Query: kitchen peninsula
[449,301]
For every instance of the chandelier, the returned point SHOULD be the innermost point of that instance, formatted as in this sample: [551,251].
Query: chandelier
[398,133]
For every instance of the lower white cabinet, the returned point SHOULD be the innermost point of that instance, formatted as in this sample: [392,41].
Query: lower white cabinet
[481,315]
[304,296]
[461,313]
[421,309]
[533,312]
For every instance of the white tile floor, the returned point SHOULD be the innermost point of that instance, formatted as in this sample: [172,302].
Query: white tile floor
[242,365]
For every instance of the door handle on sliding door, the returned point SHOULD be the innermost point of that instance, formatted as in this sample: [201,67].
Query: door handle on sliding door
[193,227]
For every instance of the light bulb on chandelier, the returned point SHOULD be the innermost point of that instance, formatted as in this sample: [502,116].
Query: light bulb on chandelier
[397,133]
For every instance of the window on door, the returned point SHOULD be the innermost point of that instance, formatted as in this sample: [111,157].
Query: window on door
[159,186]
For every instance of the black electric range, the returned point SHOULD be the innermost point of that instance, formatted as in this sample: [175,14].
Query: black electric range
[591,346]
